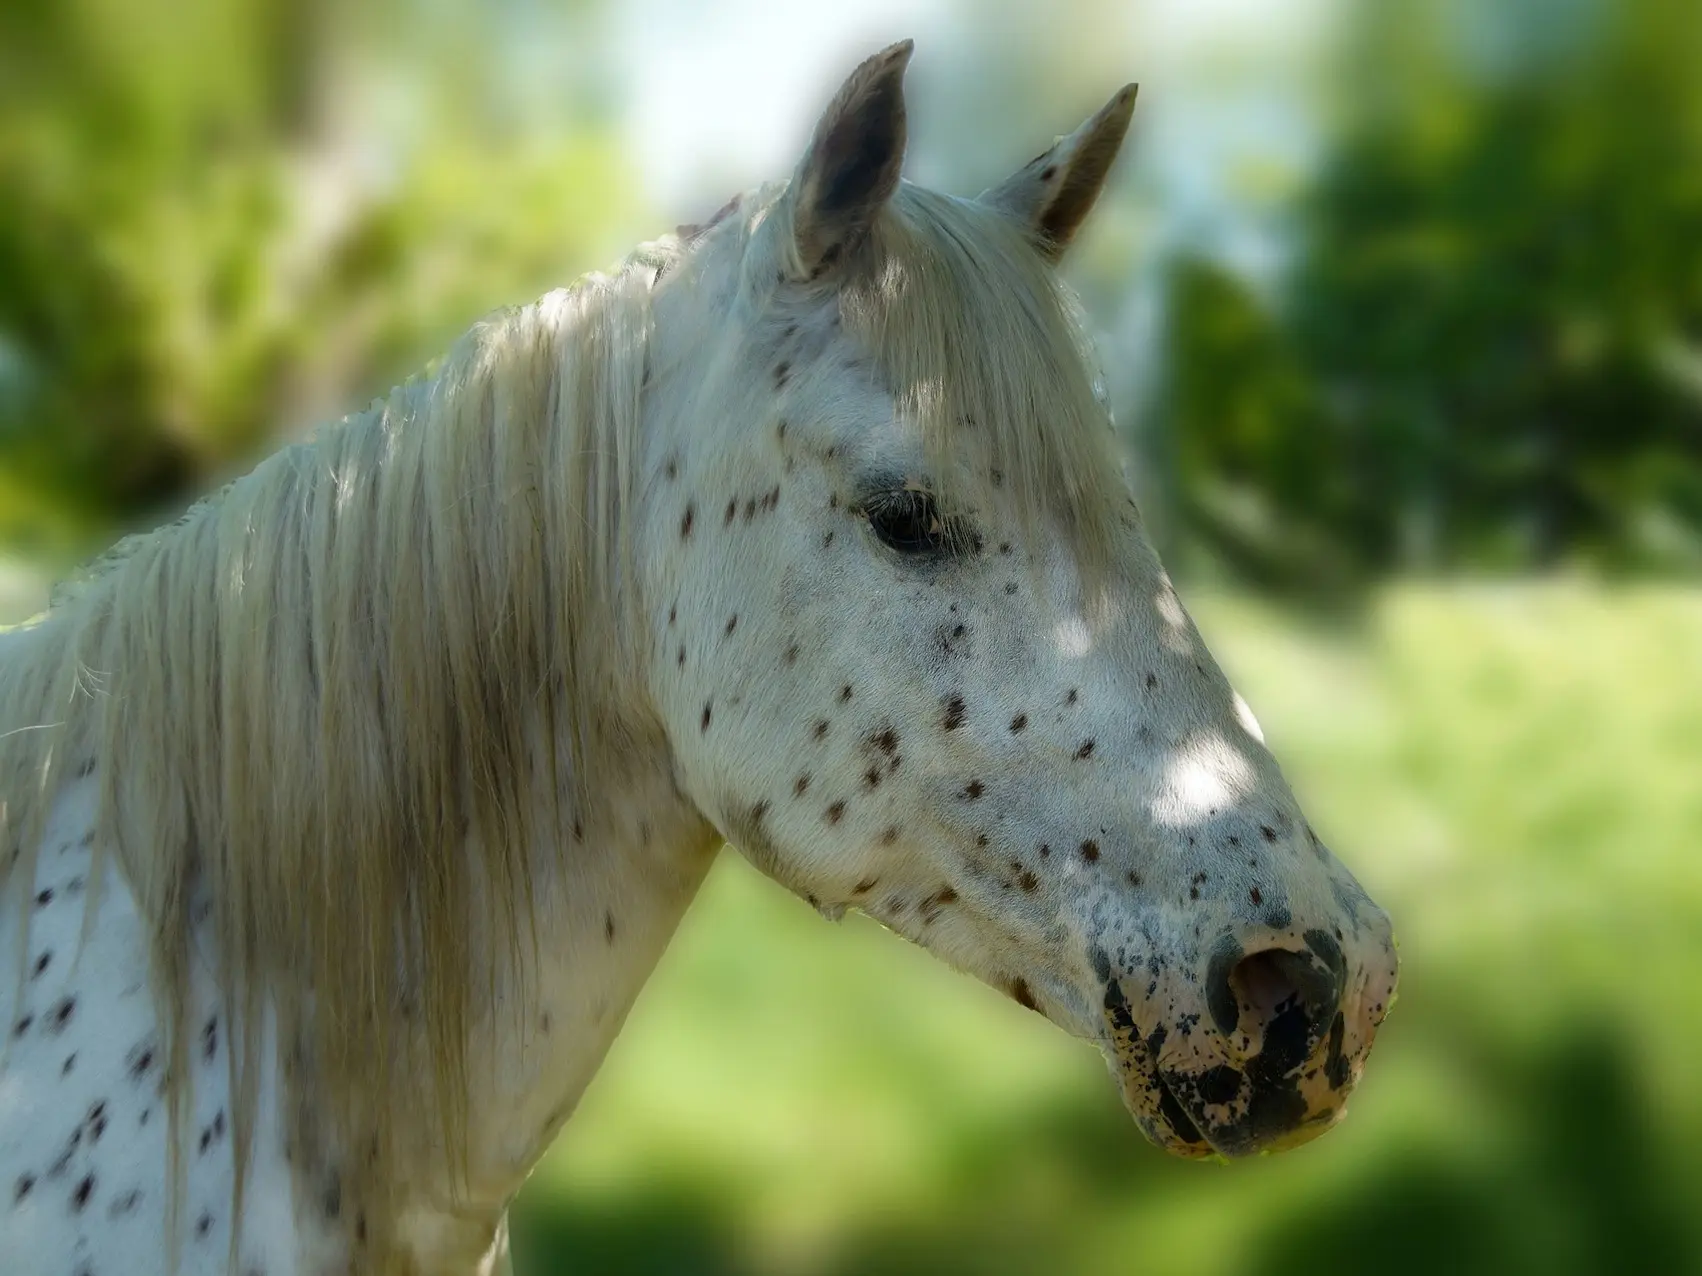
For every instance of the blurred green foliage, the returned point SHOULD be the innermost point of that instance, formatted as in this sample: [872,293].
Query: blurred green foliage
[1507,769]
[1487,348]
[195,254]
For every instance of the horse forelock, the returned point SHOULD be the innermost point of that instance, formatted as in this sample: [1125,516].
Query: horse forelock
[977,338]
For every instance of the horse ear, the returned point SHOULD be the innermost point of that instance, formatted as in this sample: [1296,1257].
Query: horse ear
[851,167]
[1054,192]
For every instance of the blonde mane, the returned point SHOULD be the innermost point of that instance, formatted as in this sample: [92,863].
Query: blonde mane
[312,694]
[309,695]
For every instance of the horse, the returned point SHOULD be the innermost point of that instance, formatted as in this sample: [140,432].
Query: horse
[345,817]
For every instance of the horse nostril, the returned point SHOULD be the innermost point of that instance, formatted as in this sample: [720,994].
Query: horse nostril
[1253,991]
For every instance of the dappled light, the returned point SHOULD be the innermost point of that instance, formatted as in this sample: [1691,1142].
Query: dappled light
[1205,775]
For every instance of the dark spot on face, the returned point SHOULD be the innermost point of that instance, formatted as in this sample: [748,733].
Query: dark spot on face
[885,740]
[70,1063]
[1072,697]
[973,790]
[331,1201]
[836,812]
[1004,547]
[1151,681]
[1220,1085]
[686,520]
[609,927]
[1134,878]
[827,540]
[954,713]
[865,886]
[1256,895]
[80,1195]
[732,511]
[1336,1069]
[23,1187]
[1010,587]
[732,624]
[845,694]
[821,729]
[889,836]
[1045,850]
[791,656]
[1086,750]
[1028,881]
[1023,995]
[1019,722]
[1270,834]
[750,510]
[703,722]
[1090,851]
[931,907]
[1049,172]
[23,1025]
[801,784]
[44,897]
[1181,1124]
[781,371]
[210,1039]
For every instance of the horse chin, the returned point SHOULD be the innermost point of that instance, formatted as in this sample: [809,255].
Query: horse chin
[1150,1102]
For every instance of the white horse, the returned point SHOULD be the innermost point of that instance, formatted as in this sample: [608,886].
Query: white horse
[346,816]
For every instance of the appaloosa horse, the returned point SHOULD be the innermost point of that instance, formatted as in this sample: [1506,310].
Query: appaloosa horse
[345,817]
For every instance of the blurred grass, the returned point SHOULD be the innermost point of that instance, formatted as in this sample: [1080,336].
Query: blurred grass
[1511,769]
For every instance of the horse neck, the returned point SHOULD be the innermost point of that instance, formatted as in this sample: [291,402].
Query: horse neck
[607,901]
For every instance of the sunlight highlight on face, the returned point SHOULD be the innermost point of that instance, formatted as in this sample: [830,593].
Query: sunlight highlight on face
[1073,637]
[1244,715]
[1206,775]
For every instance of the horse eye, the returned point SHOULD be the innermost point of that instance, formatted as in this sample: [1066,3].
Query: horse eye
[908,521]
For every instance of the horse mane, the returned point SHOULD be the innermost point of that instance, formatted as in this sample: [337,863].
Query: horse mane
[313,692]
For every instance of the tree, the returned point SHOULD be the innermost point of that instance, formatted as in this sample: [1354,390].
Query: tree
[197,251]
[1490,336]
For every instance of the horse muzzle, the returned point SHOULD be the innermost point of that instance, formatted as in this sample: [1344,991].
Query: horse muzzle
[1256,1048]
